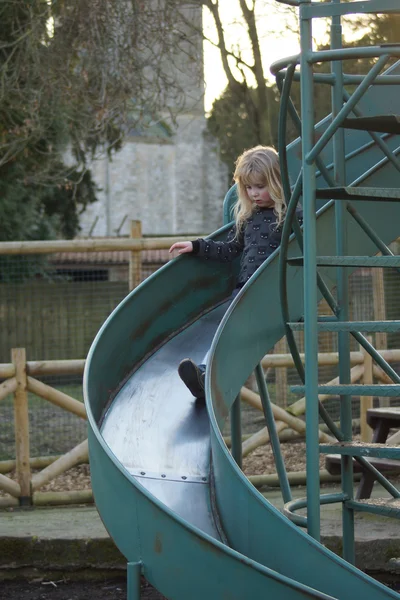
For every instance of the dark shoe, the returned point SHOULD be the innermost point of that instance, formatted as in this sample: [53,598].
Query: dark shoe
[193,377]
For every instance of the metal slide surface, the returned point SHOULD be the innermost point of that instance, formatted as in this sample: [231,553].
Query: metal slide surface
[200,532]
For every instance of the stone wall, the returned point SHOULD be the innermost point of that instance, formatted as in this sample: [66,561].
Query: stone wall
[173,184]
[173,187]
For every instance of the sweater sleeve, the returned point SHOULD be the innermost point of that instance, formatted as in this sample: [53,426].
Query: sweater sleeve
[221,251]
[299,215]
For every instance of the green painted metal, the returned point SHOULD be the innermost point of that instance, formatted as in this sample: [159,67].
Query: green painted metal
[176,558]
[289,2]
[387,391]
[369,231]
[332,133]
[378,476]
[273,434]
[337,120]
[352,326]
[329,9]
[310,283]
[380,123]
[290,508]
[248,323]
[382,506]
[364,343]
[378,139]
[361,449]
[268,556]
[358,193]
[133,575]
[342,293]
[364,161]
[136,520]
[351,261]
[236,431]
[229,203]
[236,424]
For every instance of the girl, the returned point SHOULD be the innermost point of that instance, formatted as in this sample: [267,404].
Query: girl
[259,214]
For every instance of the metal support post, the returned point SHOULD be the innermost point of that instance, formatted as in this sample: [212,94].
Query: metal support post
[341,217]
[236,431]
[273,434]
[133,573]
[310,277]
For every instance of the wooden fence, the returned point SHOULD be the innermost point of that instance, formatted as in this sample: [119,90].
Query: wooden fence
[20,378]
[54,320]
[55,317]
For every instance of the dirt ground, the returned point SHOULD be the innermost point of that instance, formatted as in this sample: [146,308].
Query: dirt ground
[72,590]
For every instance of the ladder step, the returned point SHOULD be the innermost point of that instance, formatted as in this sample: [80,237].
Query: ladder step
[380,123]
[390,390]
[350,261]
[359,193]
[333,464]
[388,507]
[351,326]
[361,449]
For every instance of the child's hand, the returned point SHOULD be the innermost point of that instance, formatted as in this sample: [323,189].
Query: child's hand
[182,247]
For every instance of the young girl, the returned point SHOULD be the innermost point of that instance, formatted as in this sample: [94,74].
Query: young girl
[259,214]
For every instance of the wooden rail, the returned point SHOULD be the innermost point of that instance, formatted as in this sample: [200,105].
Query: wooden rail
[18,380]
[90,245]
[135,244]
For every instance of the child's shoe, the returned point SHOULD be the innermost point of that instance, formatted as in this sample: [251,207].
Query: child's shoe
[193,376]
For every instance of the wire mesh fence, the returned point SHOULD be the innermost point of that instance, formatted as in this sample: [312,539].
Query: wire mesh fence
[374,295]
[53,305]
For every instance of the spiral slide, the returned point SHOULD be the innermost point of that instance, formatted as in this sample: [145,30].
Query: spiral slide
[168,491]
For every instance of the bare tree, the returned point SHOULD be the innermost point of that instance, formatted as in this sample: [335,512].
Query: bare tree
[243,60]
[84,73]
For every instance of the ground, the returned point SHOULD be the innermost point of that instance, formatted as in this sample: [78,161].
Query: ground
[72,590]
[258,462]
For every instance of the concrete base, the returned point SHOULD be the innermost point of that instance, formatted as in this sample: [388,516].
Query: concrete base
[73,540]
[377,538]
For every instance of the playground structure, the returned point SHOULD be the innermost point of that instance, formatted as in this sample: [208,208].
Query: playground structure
[170,493]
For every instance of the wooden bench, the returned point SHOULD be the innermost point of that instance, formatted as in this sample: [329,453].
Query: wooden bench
[381,421]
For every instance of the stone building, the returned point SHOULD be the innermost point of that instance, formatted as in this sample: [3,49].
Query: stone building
[168,177]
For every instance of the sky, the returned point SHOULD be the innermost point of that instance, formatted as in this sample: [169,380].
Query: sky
[276,40]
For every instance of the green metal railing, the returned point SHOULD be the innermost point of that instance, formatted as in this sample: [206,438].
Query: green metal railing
[344,105]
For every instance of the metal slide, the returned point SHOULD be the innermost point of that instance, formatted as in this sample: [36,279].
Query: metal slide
[191,524]
[167,488]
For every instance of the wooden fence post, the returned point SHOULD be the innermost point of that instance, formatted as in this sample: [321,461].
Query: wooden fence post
[21,424]
[135,257]
[281,376]
[366,402]
[378,291]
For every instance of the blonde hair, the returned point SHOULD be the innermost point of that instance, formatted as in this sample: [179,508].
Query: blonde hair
[258,165]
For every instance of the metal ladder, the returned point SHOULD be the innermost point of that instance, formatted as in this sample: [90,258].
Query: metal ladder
[346,114]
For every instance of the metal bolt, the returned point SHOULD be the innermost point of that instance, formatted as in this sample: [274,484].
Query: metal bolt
[204,478]
[142,473]
[163,475]
[184,477]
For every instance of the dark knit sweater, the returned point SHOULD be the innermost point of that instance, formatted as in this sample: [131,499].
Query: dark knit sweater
[258,239]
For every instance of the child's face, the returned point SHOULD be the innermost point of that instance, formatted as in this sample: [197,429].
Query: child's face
[259,194]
